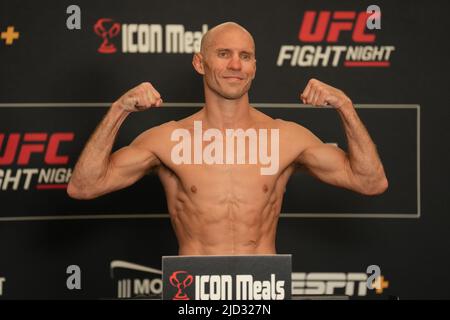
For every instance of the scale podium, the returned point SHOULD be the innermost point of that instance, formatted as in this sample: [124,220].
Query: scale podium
[253,277]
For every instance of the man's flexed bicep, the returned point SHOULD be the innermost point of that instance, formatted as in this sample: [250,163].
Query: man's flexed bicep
[124,167]
[94,174]
[360,169]
[325,162]
[329,164]
[127,165]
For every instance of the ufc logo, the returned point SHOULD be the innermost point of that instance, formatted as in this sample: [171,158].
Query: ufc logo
[330,25]
[33,143]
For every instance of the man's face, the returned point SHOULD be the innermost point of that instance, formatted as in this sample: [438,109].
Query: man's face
[229,63]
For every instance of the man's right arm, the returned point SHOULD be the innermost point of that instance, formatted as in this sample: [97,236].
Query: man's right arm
[97,171]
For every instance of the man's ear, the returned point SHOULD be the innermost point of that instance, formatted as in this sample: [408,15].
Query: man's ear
[197,62]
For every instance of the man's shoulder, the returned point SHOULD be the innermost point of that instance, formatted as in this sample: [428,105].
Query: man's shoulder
[187,122]
[161,129]
[293,133]
[289,125]
[277,122]
[263,120]
[155,135]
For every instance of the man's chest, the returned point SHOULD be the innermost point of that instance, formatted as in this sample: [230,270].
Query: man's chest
[223,183]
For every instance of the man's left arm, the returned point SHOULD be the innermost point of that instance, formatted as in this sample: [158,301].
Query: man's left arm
[360,169]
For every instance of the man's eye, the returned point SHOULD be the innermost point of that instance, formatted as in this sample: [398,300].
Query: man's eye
[223,54]
[245,57]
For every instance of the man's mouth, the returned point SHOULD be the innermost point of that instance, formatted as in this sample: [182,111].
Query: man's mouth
[235,78]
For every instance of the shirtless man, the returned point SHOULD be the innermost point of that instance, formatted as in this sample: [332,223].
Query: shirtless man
[226,209]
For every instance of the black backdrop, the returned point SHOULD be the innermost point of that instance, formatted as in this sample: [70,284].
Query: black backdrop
[53,80]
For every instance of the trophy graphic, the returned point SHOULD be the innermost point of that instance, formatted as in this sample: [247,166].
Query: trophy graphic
[106,29]
[187,280]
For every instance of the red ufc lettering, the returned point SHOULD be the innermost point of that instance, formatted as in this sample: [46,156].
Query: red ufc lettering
[33,143]
[28,149]
[51,156]
[342,21]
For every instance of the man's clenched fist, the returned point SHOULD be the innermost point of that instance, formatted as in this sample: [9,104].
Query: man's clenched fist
[318,93]
[140,98]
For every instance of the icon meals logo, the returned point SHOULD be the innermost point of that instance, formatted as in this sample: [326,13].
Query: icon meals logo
[329,28]
[107,29]
[226,287]
[147,38]
[181,280]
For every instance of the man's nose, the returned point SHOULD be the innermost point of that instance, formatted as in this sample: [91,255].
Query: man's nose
[235,63]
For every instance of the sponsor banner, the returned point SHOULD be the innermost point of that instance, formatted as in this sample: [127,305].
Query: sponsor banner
[135,281]
[255,277]
[147,38]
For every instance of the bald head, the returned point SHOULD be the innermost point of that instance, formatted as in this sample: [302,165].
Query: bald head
[226,61]
[212,34]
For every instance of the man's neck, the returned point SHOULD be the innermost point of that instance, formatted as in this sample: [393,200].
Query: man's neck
[224,113]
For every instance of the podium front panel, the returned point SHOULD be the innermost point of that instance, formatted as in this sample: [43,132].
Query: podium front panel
[255,277]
